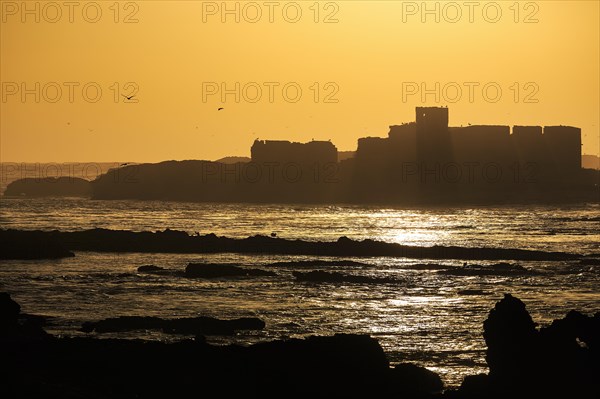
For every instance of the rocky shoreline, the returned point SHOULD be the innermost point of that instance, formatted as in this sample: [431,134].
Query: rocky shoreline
[524,361]
[24,244]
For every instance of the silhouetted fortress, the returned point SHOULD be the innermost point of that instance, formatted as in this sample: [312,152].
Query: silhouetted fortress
[431,143]
[425,161]
[281,151]
[429,157]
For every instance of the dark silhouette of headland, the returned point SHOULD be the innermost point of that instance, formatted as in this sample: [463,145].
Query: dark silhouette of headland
[49,187]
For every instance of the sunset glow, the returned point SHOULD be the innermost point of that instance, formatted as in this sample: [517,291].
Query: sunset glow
[363,56]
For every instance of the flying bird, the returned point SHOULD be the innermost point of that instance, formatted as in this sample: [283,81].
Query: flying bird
[128,97]
[125,164]
[220,108]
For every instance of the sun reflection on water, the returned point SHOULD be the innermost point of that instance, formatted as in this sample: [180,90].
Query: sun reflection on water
[422,318]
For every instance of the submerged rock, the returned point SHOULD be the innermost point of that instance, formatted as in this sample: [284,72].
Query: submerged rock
[317,263]
[150,269]
[320,276]
[216,270]
[473,292]
[498,269]
[428,266]
[590,262]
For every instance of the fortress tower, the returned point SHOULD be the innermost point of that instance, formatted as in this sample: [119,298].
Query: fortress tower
[433,139]
[432,121]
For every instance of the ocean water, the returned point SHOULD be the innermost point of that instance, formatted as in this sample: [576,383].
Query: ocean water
[424,318]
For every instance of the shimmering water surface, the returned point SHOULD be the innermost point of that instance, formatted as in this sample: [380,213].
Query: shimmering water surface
[424,318]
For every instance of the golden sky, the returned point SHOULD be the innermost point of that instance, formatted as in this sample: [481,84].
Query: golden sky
[357,64]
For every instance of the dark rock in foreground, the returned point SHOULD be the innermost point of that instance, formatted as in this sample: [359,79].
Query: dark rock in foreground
[9,310]
[510,334]
[561,360]
[353,366]
[413,380]
[188,325]
[216,270]
[320,276]
[17,244]
[16,327]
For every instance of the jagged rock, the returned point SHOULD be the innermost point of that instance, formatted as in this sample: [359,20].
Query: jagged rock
[510,335]
[560,360]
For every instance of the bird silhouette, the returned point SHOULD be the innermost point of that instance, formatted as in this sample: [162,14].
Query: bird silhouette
[220,108]
[128,97]
[125,164]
